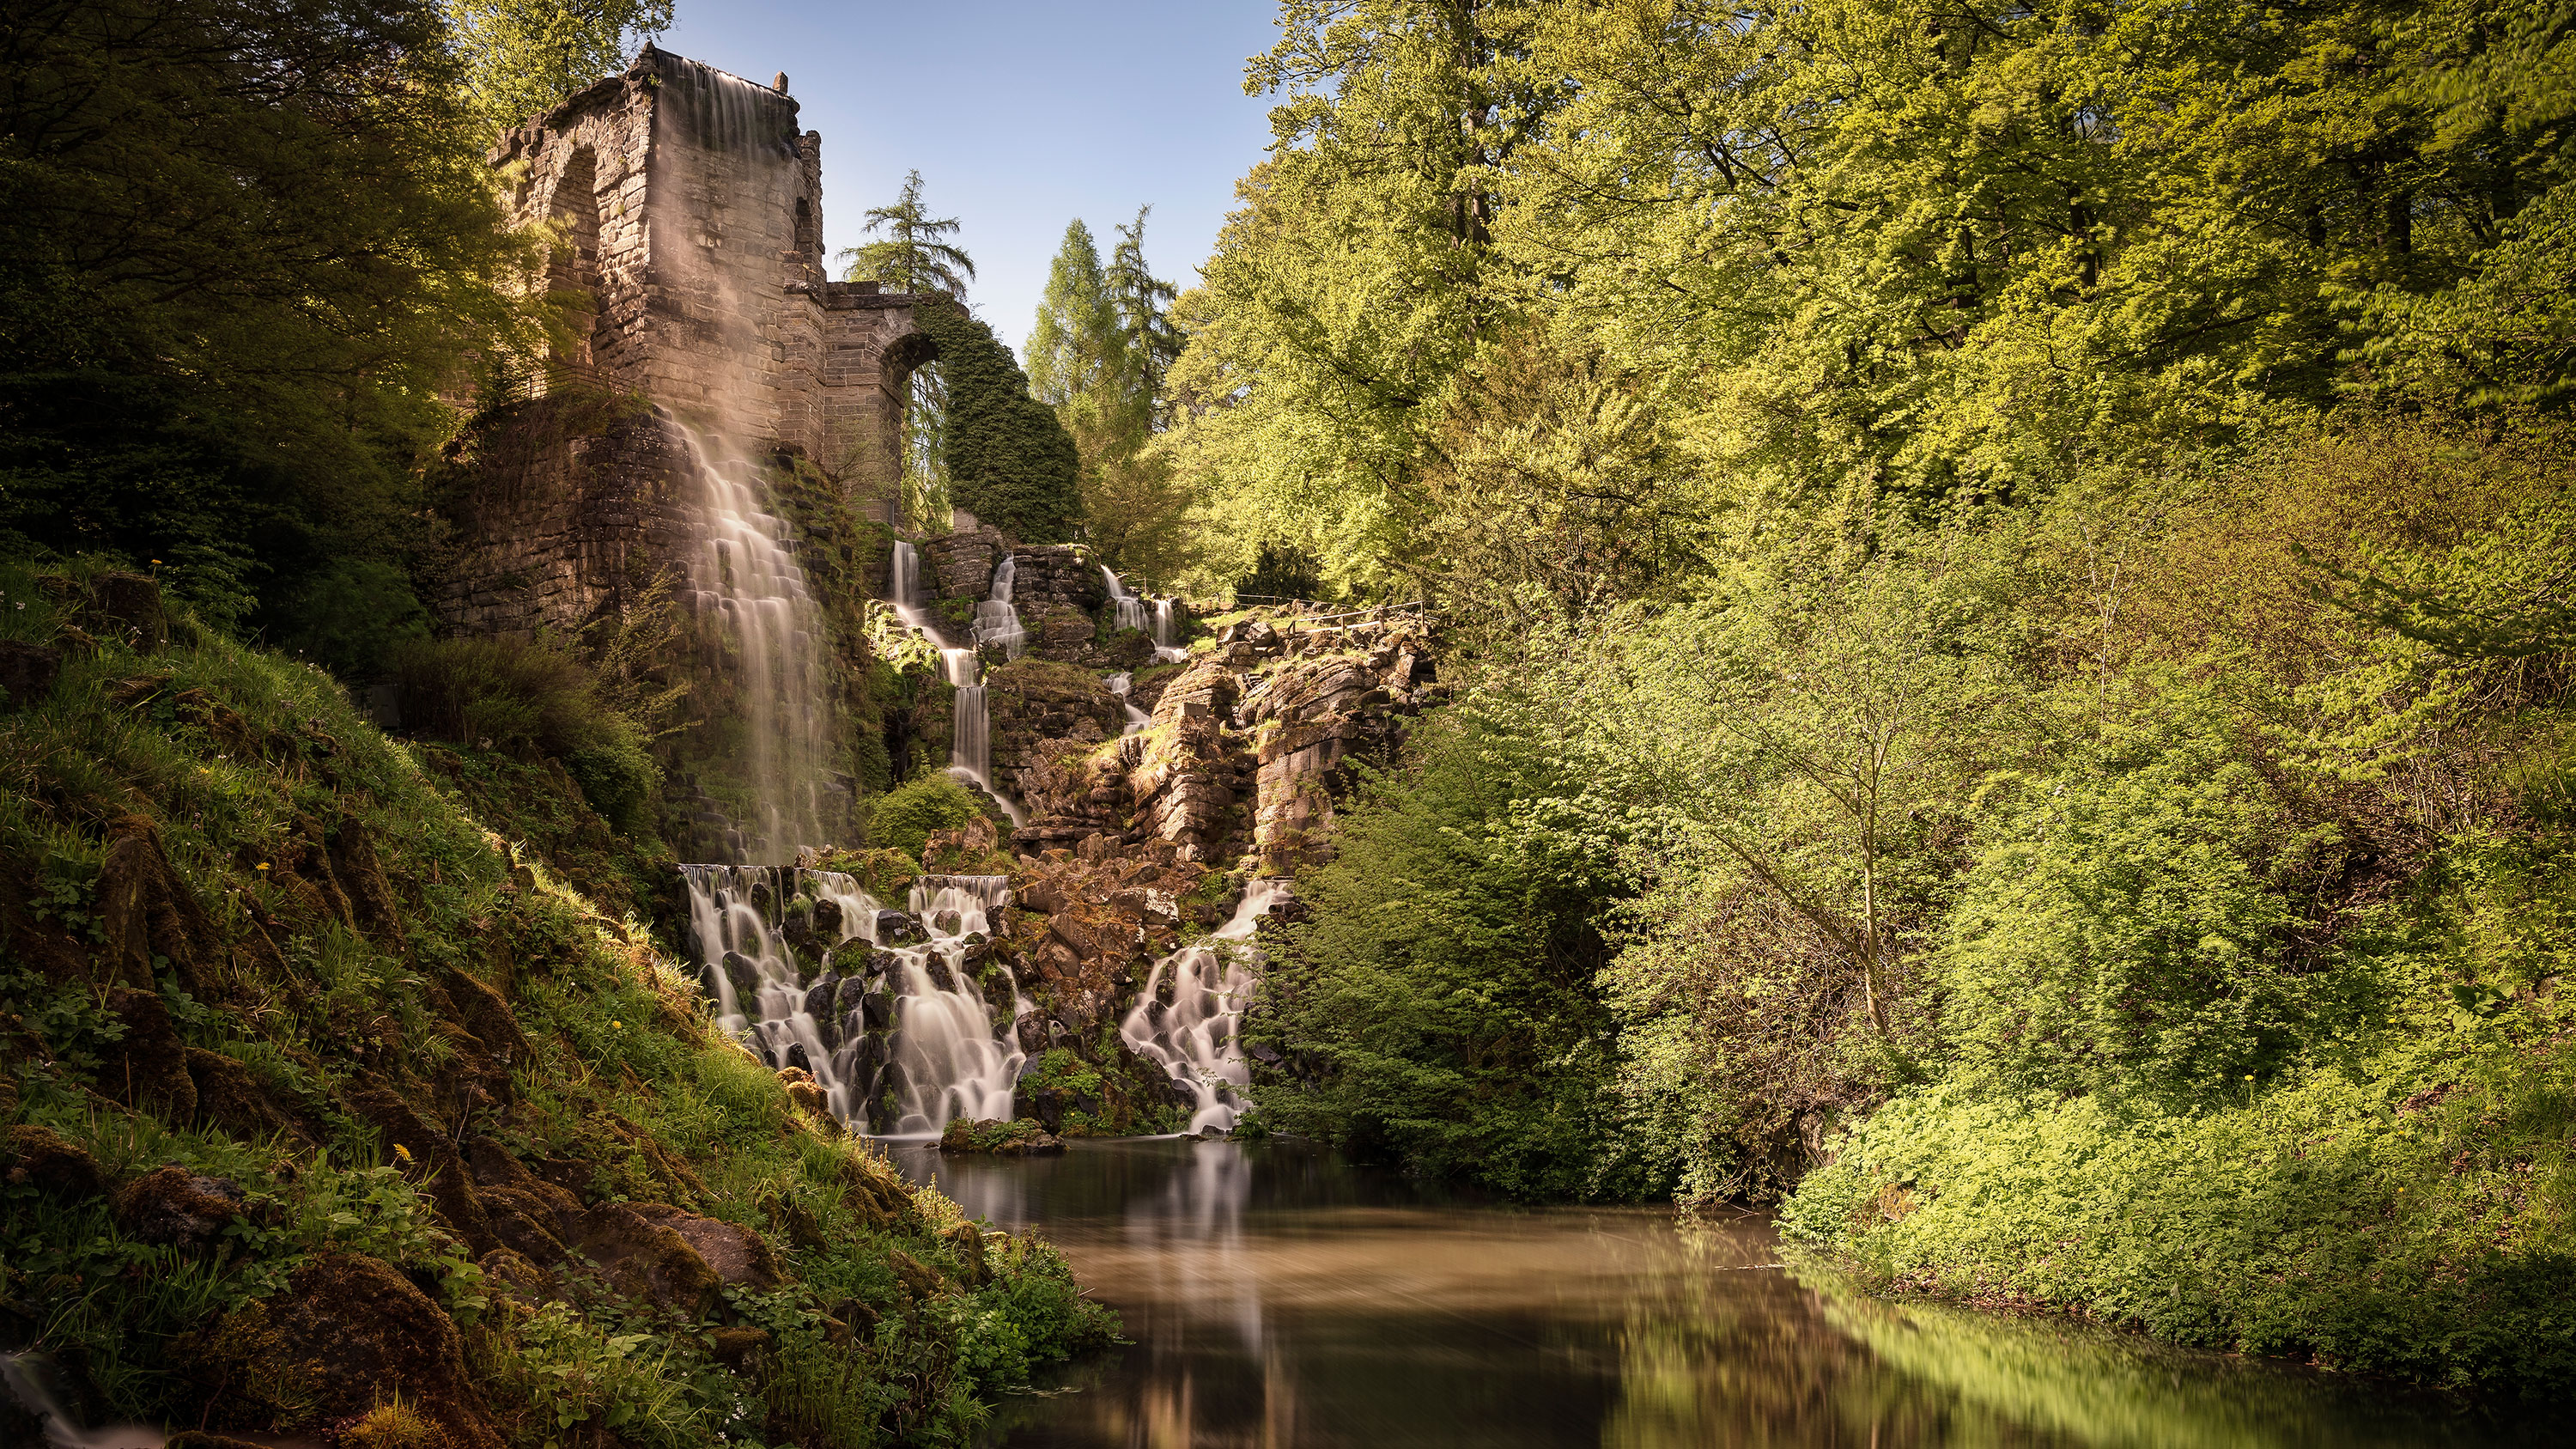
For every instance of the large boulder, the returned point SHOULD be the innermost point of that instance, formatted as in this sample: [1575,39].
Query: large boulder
[346,1335]
[644,1257]
[173,1207]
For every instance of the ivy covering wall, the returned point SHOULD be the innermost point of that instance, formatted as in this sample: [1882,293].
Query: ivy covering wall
[1010,463]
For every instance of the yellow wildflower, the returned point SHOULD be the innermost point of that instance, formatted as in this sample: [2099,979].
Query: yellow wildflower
[402,1152]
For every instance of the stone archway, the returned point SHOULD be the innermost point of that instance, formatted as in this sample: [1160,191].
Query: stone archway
[899,369]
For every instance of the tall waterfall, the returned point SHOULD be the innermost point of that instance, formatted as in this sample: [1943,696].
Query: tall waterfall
[884,1009]
[1186,1018]
[970,747]
[747,584]
[1167,633]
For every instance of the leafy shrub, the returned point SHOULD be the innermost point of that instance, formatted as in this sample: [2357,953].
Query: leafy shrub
[531,698]
[907,815]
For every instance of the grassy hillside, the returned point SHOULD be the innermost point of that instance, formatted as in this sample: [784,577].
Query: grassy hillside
[328,1110]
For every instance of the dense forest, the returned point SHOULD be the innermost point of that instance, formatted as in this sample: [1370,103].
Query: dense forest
[2019,562]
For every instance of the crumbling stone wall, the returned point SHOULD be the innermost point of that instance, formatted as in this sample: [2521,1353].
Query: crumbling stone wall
[691,208]
[568,507]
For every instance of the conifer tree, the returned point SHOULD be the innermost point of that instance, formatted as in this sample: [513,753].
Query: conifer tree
[1097,354]
[915,255]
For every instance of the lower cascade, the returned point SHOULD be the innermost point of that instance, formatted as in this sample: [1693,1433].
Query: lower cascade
[1187,1017]
[895,1015]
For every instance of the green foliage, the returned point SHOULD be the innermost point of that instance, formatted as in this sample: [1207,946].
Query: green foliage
[1438,1005]
[905,817]
[525,57]
[2125,927]
[1010,463]
[241,250]
[235,758]
[518,696]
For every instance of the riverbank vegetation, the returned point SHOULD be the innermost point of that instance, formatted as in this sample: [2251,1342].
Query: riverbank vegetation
[2019,561]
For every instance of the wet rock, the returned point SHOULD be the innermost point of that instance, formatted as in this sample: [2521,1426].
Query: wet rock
[819,1000]
[854,990]
[894,928]
[27,672]
[36,1157]
[645,1258]
[174,1207]
[1030,1032]
[744,973]
[884,964]
[936,967]
[948,923]
[878,1007]
[796,1058]
[827,919]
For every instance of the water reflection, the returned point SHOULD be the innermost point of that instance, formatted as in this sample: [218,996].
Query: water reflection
[1278,1297]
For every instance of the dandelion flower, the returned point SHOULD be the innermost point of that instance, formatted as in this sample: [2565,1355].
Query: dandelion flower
[263,865]
[402,1152]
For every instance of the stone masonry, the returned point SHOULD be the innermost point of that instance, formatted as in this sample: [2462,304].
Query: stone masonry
[688,210]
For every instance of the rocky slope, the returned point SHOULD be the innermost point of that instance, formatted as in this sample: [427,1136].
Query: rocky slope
[330,1113]
[1138,843]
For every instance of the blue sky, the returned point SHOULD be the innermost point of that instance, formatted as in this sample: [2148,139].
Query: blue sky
[1019,116]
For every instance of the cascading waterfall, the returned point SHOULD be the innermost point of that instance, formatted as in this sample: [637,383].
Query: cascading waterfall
[955,1051]
[746,580]
[1122,684]
[745,922]
[997,619]
[884,1010]
[1186,1018]
[1128,610]
[1167,631]
[970,748]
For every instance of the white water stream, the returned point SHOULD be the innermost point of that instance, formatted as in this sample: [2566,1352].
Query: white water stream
[1194,1037]
[884,1011]
[970,747]
[746,582]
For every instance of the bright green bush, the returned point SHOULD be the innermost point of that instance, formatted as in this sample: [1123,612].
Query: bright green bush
[1438,1001]
[906,816]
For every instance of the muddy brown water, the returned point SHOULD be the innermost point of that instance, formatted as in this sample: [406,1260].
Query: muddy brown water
[1280,1298]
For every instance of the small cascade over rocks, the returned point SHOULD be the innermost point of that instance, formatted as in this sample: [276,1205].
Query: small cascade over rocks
[955,1050]
[1126,610]
[1123,685]
[970,748]
[1187,1017]
[885,1009]
[1167,633]
[997,620]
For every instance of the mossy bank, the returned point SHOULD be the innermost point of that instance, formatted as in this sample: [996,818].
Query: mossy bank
[331,1112]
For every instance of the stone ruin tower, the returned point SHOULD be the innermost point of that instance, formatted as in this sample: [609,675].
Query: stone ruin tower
[688,212]
[691,212]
